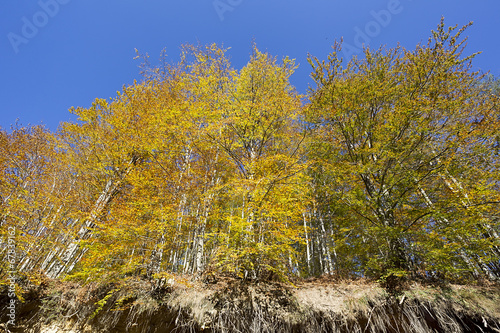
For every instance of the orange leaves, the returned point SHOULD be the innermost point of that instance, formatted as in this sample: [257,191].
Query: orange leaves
[389,170]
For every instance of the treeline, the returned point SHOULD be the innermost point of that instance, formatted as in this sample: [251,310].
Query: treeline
[388,169]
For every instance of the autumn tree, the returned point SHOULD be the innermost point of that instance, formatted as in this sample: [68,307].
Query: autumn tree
[33,190]
[159,215]
[404,143]
[390,171]
[257,131]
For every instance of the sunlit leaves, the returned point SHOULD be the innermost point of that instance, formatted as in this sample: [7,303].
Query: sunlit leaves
[402,133]
[390,171]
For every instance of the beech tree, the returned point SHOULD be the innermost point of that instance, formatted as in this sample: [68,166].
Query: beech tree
[407,138]
[258,133]
[389,171]
[33,191]
[158,219]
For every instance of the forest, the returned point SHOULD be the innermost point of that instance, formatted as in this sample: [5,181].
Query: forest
[386,170]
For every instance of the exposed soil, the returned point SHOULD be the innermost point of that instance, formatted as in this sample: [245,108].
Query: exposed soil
[232,305]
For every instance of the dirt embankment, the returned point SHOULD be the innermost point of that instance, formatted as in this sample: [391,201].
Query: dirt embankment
[230,305]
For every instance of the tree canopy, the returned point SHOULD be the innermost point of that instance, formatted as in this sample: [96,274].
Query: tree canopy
[387,169]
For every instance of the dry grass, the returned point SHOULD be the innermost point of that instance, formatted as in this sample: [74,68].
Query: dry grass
[232,305]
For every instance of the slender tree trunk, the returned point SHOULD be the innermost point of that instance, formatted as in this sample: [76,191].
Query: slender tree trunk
[72,250]
[308,254]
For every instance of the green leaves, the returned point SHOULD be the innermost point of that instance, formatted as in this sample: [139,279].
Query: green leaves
[400,125]
[390,171]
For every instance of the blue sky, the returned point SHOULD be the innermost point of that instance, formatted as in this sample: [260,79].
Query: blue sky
[55,54]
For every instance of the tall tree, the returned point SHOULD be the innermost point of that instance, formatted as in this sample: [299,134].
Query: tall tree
[257,131]
[407,138]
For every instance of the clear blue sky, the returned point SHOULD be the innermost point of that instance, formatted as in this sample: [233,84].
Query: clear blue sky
[55,54]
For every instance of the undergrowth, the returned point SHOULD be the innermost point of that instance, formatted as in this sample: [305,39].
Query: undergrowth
[233,305]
